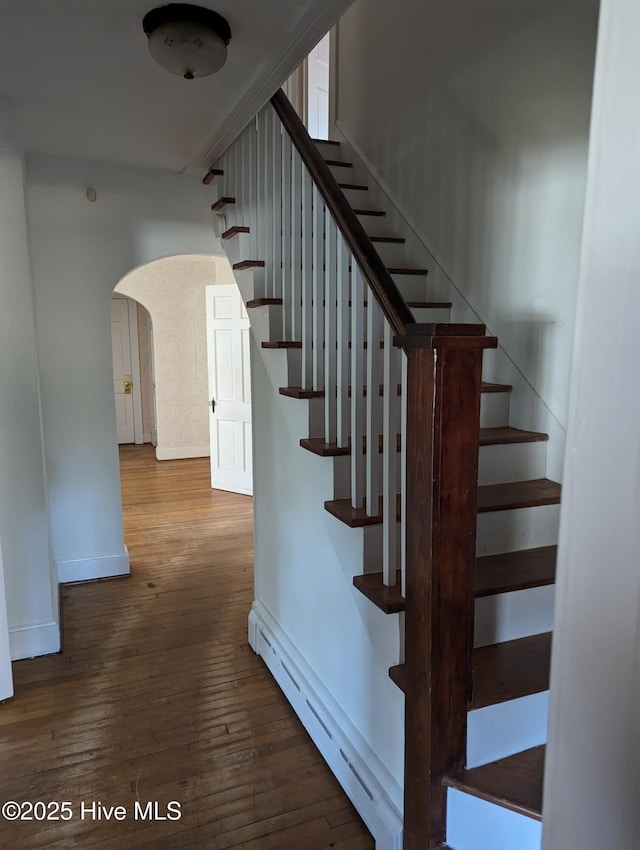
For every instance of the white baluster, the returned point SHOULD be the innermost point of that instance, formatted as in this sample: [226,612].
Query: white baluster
[390,560]
[309,343]
[318,289]
[266,154]
[276,164]
[256,230]
[330,320]
[286,234]
[245,171]
[357,383]
[296,244]
[252,137]
[343,360]
[232,214]
[373,405]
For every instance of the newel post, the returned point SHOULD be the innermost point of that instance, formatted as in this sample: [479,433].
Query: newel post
[443,423]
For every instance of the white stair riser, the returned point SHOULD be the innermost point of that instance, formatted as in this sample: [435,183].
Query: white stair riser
[510,727]
[518,614]
[473,824]
[358,198]
[494,410]
[250,283]
[413,287]
[240,247]
[432,314]
[216,190]
[392,254]
[511,462]
[521,528]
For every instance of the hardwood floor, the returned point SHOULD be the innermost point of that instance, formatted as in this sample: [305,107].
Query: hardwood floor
[157,697]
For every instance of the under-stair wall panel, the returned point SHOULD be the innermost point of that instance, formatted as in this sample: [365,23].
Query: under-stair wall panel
[305,562]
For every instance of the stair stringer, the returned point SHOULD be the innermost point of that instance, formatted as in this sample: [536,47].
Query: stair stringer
[340,646]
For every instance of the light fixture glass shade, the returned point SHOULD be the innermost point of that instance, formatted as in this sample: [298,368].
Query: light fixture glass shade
[188,49]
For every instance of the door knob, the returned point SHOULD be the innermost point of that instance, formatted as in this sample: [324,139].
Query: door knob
[128,384]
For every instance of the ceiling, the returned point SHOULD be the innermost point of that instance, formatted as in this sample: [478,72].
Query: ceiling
[84,85]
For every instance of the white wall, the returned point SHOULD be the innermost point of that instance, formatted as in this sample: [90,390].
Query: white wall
[31,594]
[305,561]
[173,291]
[592,783]
[475,116]
[80,251]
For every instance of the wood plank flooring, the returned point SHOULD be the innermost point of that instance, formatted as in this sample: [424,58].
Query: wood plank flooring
[157,697]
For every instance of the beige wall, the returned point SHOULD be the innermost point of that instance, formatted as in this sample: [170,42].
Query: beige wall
[173,291]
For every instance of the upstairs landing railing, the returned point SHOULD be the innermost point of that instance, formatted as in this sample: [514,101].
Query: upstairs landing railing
[388,383]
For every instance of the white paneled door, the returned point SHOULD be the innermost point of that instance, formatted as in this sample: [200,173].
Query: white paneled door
[229,390]
[122,371]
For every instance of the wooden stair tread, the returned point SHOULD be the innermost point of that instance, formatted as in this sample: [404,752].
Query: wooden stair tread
[211,175]
[282,343]
[388,240]
[300,392]
[491,497]
[488,387]
[506,671]
[356,517]
[377,213]
[514,782]
[263,302]
[221,203]
[354,186]
[507,435]
[503,671]
[318,446]
[518,494]
[488,437]
[388,599]
[248,264]
[504,573]
[339,163]
[430,305]
[395,270]
[234,231]
[325,142]
[510,571]
[303,392]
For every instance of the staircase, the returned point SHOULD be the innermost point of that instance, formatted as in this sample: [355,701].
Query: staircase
[458,520]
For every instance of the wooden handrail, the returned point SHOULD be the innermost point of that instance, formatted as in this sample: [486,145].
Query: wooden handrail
[380,282]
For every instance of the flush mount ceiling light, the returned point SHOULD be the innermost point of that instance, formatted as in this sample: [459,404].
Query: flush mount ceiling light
[187,40]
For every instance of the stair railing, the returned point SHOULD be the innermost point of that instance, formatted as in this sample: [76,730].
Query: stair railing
[385,378]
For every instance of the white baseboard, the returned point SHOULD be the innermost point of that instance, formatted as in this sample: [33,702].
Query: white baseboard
[32,640]
[180,452]
[89,569]
[363,777]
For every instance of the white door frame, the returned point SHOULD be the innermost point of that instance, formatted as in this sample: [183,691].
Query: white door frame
[6,672]
[136,391]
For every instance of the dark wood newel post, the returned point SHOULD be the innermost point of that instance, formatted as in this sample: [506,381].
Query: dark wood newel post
[443,421]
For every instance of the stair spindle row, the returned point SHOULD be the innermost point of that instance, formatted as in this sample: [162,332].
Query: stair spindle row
[326,307]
